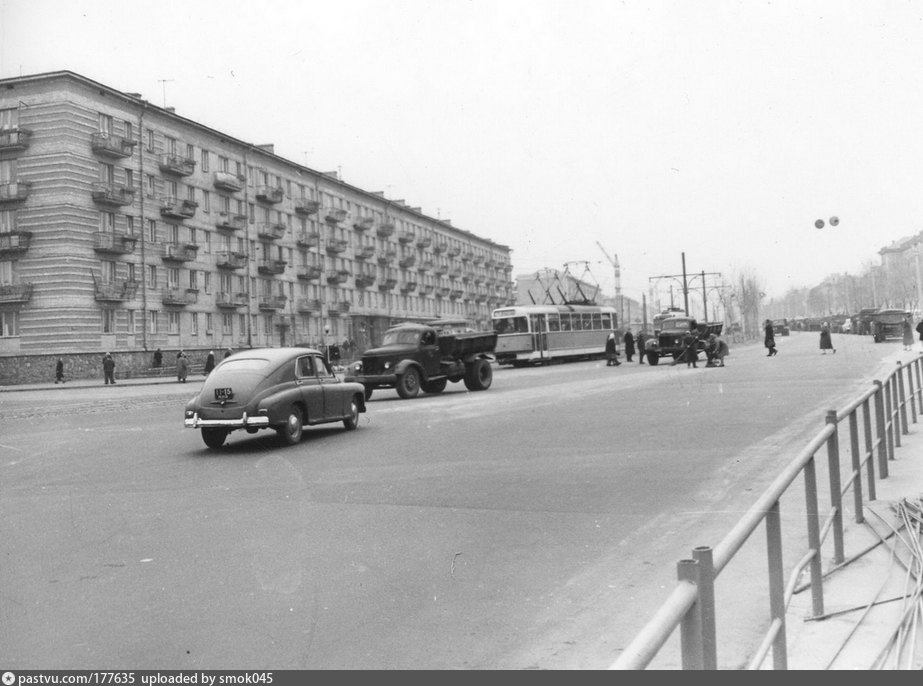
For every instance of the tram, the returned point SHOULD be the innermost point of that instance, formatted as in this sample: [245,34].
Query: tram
[541,334]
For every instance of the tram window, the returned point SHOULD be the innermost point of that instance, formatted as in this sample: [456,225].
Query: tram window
[597,321]
[606,320]
[511,325]
[554,322]
[587,321]
[565,322]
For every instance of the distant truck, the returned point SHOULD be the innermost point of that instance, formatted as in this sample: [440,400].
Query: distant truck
[416,357]
[669,332]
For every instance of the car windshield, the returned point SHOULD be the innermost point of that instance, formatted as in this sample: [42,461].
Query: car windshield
[401,337]
[243,364]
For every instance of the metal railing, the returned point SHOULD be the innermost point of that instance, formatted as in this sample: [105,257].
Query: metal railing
[875,422]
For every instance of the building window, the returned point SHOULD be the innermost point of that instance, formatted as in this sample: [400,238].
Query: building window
[130,178]
[107,270]
[195,323]
[152,276]
[152,321]
[204,157]
[190,151]
[151,186]
[173,321]
[108,321]
[129,130]
[107,222]
[132,321]
[9,324]
[207,282]
[152,231]
[150,140]
[130,225]
[105,123]
[227,323]
[193,279]
[206,201]
[173,277]
[208,321]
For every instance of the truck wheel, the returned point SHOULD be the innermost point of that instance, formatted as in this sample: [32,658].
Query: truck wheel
[653,359]
[214,438]
[408,384]
[479,375]
[437,386]
[293,427]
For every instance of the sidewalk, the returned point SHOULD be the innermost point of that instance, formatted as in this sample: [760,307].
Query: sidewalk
[93,383]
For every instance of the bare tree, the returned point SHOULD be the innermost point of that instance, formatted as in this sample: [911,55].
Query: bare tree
[749,294]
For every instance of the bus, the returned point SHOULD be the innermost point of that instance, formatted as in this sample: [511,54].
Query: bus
[541,334]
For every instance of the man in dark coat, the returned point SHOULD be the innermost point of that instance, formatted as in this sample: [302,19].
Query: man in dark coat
[642,339]
[209,363]
[108,369]
[629,345]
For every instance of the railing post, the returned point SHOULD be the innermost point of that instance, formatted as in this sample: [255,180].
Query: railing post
[902,399]
[703,555]
[919,372]
[691,625]
[856,465]
[894,438]
[869,452]
[836,489]
[881,429]
[813,522]
[776,585]
[911,396]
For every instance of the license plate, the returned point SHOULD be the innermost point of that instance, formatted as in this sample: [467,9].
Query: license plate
[223,394]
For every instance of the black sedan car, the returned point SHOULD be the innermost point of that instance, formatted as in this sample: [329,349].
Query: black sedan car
[273,388]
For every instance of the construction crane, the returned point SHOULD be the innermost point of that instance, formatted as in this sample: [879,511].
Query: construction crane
[614,261]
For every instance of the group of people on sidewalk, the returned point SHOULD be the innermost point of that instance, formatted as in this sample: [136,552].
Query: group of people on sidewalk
[182,366]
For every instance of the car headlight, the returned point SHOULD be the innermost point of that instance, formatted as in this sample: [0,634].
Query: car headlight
[387,365]
[357,368]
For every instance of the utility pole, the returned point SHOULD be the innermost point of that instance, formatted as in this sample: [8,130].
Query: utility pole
[614,261]
[163,84]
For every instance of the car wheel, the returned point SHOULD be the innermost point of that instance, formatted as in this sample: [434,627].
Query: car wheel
[368,392]
[479,375]
[294,426]
[437,386]
[352,421]
[214,438]
[408,384]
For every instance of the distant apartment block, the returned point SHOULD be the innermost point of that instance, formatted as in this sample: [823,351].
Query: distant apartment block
[125,226]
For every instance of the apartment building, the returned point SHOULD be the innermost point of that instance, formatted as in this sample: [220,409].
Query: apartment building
[125,226]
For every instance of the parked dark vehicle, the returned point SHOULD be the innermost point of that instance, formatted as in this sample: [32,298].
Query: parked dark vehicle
[420,356]
[887,324]
[272,388]
[780,327]
[863,323]
[668,337]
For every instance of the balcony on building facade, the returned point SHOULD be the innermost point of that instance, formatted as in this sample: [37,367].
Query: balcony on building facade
[270,194]
[467,255]
[118,290]
[178,209]
[179,296]
[363,223]
[334,215]
[426,265]
[15,140]
[114,194]
[230,300]
[365,278]
[442,292]
[407,261]
[308,239]
[14,243]
[229,181]
[409,287]
[229,259]
[270,230]
[335,246]
[114,243]
[271,267]
[479,278]
[441,269]
[385,229]
[424,241]
[309,272]
[440,246]
[110,145]
[231,222]
[339,308]
[178,165]
[387,256]
[455,272]
[308,305]
[179,252]
[406,236]
[15,293]
[306,207]
[388,282]
[455,293]
[427,289]
[478,258]
[339,276]
[363,252]
[272,302]
[15,192]
[283,322]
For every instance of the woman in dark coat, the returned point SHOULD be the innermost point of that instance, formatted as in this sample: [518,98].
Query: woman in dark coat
[612,355]
[826,343]
[629,345]
[209,363]
[908,333]
[770,339]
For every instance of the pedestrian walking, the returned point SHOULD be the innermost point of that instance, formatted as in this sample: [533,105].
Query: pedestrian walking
[920,330]
[826,343]
[59,371]
[108,369]
[182,366]
[612,354]
[228,353]
[690,353]
[907,331]
[769,339]
[158,358]
[640,341]
[629,340]
[209,363]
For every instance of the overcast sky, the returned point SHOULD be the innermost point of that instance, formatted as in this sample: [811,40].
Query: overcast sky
[718,129]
